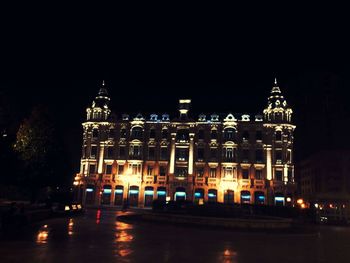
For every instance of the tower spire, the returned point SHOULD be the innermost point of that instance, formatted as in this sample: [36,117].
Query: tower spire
[275,81]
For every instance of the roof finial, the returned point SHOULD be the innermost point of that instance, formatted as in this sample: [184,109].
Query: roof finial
[275,81]
[103,83]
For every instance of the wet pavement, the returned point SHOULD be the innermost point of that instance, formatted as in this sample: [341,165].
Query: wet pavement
[98,237]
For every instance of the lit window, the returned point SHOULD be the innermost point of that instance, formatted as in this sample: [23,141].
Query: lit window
[212,173]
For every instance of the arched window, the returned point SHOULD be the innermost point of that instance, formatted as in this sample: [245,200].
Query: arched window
[278,136]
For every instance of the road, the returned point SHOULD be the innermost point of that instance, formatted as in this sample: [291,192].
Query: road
[98,237]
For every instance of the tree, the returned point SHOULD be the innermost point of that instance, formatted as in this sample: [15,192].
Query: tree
[36,148]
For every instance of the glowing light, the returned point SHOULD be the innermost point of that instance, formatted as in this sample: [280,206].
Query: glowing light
[89,190]
[79,206]
[66,208]
[75,183]
[134,192]
[180,194]
[149,192]
[331,206]
[118,191]
[316,205]
[279,198]
[261,197]
[70,226]
[42,235]
[289,199]
[211,195]
[74,207]
[300,201]
[107,191]
[303,206]
[161,192]
[197,194]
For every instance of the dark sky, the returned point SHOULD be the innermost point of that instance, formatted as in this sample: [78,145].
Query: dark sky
[224,61]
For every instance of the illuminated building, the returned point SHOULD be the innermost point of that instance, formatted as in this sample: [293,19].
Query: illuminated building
[229,158]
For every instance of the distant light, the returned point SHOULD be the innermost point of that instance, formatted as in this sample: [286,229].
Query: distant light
[89,190]
[261,197]
[107,191]
[289,199]
[161,192]
[66,208]
[211,195]
[316,205]
[300,201]
[75,183]
[118,191]
[134,191]
[302,205]
[279,198]
[331,205]
[168,198]
[180,194]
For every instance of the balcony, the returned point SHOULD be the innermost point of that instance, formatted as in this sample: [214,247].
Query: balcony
[244,181]
[211,180]
[148,178]
[199,180]
[161,178]
[259,182]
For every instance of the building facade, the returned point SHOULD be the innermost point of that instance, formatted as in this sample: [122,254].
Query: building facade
[324,183]
[227,158]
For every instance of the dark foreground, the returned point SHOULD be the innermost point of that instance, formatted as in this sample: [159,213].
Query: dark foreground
[98,237]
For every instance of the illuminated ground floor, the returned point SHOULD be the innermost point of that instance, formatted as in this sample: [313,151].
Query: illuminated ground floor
[143,194]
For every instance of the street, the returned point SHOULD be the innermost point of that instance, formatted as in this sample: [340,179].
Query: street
[96,236]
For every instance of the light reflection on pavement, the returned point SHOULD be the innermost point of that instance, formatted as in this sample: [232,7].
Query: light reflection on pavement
[98,237]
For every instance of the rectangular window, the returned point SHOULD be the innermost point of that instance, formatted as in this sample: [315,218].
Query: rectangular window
[122,152]
[258,135]
[259,155]
[278,175]
[258,174]
[163,153]
[200,172]
[245,174]
[228,154]
[278,136]
[182,154]
[92,168]
[200,154]
[212,173]
[181,171]
[93,151]
[150,170]
[213,153]
[135,151]
[162,170]
[228,171]
[123,133]
[278,155]
[110,152]
[245,155]
[152,134]
[201,134]
[214,135]
[135,168]
[151,153]
[164,134]
[120,169]
[108,169]
[111,133]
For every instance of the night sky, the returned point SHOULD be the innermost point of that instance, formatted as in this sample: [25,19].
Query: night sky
[222,62]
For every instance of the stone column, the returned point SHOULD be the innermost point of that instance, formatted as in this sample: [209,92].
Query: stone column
[101,158]
[268,162]
[190,157]
[172,154]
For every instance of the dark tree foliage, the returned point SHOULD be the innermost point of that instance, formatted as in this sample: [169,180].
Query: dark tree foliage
[38,148]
